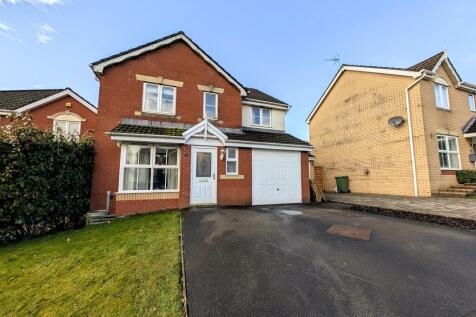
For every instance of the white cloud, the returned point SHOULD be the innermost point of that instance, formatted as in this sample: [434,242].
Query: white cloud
[33,2]
[6,31]
[44,33]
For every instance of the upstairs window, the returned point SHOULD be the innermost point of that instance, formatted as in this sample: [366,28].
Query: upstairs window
[472,105]
[159,99]
[210,105]
[261,117]
[441,94]
[448,152]
[67,128]
[232,161]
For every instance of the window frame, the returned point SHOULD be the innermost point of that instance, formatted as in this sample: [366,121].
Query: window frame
[152,166]
[261,117]
[440,86]
[68,124]
[205,105]
[159,99]
[448,151]
[235,159]
[472,106]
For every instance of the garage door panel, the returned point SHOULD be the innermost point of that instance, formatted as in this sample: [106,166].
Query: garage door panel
[276,177]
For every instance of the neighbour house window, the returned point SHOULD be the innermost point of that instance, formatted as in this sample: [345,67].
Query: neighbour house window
[472,104]
[448,152]
[67,128]
[232,161]
[210,105]
[441,94]
[158,99]
[150,168]
[261,116]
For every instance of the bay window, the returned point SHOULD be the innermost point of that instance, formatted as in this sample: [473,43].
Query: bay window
[448,152]
[232,161]
[261,116]
[149,168]
[159,99]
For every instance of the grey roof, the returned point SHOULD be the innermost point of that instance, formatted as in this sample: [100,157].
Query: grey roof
[256,94]
[470,126]
[15,99]
[242,135]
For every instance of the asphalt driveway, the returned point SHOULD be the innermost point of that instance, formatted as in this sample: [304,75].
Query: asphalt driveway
[262,261]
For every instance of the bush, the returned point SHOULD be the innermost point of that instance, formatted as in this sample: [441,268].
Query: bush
[45,180]
[466,176]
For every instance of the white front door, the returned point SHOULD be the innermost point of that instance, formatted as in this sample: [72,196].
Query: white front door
[203,183]
[276,177]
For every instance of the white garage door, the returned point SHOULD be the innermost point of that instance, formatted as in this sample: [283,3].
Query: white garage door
[276,177]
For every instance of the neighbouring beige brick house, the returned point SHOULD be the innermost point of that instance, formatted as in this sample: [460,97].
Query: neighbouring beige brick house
[396,131]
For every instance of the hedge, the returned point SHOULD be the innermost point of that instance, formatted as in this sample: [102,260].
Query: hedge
[466,176]
[45,180]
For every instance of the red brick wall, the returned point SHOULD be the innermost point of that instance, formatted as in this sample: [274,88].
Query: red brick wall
[131,207]
[306,195]
[235,191]
[120,95]
[40,115]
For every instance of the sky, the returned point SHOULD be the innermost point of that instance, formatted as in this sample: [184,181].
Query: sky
[279,47]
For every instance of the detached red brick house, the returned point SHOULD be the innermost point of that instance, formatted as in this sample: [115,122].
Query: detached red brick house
[175,129]
[57,109]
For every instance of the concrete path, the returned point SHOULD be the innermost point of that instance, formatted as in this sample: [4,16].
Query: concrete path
[446,207]
[285,261]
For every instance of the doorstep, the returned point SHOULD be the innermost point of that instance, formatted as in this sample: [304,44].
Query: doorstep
[455,212]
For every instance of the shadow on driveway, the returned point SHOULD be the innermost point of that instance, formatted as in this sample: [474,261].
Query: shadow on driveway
[274,261]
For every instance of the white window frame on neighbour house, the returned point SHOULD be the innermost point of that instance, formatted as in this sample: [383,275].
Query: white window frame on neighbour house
[472,103]
[68,130]
[205,105]
[229,159]
[159,99]
[447,152]
[261,110]
[442,94]
[151,165]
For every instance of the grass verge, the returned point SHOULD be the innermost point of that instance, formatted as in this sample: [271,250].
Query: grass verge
[129,267]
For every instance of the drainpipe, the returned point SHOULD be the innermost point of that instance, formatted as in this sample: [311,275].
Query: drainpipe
[410,131]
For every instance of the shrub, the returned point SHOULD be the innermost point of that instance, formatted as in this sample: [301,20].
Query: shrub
[466,176]
[45,180]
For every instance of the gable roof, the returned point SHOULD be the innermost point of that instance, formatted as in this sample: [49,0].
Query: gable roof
[26,100]
[99,66]
[429,65]
[254,94]
[14,99]
[470,126]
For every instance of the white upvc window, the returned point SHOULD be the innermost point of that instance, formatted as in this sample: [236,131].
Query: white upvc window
[210,105]
[149,168]
[159,99]
[261,117]
[472,104]
[448,152]
[67,128]
[441,94]
[231,161]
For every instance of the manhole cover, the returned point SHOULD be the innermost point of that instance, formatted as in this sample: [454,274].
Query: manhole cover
[291,212]
[350,232]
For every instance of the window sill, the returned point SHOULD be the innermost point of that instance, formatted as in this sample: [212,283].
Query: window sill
[146,191]
[232,176]
[443,109]
[262,126]
[157,114]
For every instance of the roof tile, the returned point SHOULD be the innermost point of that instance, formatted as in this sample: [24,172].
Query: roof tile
[15,99]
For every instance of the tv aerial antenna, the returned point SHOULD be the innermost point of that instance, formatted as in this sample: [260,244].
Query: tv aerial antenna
[334,60]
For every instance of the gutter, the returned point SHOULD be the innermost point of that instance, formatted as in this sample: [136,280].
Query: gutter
[424,74]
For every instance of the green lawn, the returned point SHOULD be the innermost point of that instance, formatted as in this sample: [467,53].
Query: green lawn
[472,197]
[129,267]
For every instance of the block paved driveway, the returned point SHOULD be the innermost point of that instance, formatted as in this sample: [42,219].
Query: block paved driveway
[262,262]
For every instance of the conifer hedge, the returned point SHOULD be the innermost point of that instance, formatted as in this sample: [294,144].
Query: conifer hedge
[45,180]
